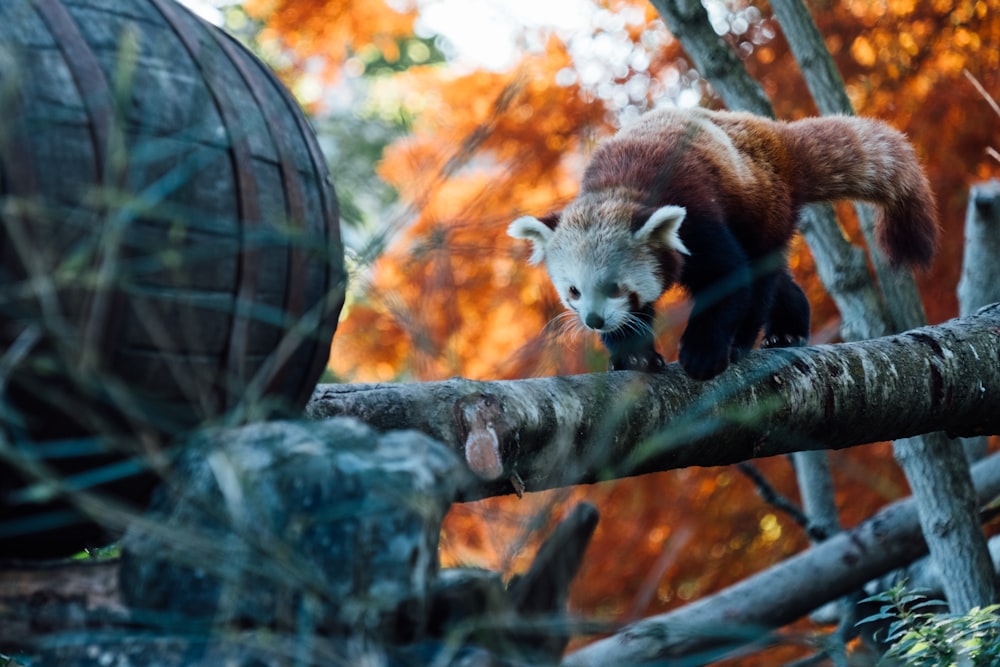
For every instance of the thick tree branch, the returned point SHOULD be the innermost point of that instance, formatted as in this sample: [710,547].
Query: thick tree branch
[980,281]
[818,69]
[566,430]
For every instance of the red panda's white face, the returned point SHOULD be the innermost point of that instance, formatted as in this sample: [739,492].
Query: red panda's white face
[602,270]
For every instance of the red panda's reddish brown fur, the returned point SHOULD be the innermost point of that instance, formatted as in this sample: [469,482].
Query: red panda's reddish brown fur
[758,173]
[842,157]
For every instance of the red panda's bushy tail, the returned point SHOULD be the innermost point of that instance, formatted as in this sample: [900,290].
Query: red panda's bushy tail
[847,157]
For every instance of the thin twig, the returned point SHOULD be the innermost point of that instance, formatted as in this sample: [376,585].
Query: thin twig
[772,497]
[982,91]
[992,152]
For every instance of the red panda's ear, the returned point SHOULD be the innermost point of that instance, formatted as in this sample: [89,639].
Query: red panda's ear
[534,230]
[551,219]
[661,228]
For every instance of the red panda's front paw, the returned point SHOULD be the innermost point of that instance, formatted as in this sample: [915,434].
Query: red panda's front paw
[704,363]
[786,340]
[645,362]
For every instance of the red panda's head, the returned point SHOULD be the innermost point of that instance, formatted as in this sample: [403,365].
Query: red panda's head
[605,257]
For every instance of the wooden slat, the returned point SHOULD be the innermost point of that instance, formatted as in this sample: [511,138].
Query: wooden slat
[104,306]
[234,366]
[276,368]
[334,284]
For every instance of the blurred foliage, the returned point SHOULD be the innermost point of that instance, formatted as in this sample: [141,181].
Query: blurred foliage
[333,30]
[441,291]
[409,52]
[353,145]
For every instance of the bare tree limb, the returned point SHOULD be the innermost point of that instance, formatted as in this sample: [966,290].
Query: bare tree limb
[747,611]
[784,505]
[688,21]
[807,45]
[560,431]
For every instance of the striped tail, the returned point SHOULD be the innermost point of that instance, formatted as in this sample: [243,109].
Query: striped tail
[847,157]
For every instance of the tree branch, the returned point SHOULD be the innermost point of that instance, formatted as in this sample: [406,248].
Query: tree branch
[980,281]
[560,431]
[771,496]
[712,56]
[748,610]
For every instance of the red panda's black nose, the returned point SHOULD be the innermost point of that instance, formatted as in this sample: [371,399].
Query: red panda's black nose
[594,321]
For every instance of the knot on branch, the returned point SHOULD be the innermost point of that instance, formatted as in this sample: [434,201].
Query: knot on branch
[481,421]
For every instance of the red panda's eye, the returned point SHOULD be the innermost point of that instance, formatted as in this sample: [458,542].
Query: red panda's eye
[615,291]
[574,293]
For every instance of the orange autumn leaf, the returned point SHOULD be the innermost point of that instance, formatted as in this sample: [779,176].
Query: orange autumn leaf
[332,30]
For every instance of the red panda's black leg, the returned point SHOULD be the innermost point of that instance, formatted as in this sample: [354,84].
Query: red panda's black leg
[762,294]
[717,274]
[632,348]
[788,320]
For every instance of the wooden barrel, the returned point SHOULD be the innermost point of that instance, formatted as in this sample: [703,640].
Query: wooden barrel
[170,249]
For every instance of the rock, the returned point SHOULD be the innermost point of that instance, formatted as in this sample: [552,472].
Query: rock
[307,526]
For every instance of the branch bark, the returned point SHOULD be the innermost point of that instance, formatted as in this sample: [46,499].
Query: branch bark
[747,611]
[980,281]
[558,431]
[688,21]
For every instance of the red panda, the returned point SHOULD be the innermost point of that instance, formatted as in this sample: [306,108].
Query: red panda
[709,199]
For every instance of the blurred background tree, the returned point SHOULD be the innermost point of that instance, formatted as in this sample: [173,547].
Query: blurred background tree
[434,151]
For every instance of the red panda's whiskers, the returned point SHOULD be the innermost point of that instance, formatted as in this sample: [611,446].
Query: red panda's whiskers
[636,324]
[565,324]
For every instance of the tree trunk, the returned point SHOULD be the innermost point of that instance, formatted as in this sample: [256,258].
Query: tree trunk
[812,470]
[980,281]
